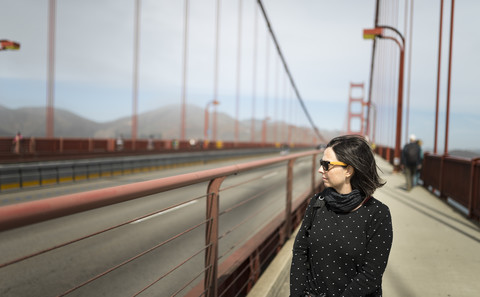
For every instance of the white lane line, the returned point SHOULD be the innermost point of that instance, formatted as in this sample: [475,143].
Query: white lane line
[270,175]
[163,212]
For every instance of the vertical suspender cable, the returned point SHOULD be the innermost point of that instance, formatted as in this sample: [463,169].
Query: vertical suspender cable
[51,69]
[395,66]
[409,70]
[372,69]
[267,86]
[407,105]
[289,126]
[393,63]
[215,80]
[284,101]
[239,56]
[136,37]
[275,104]
[254,74]
[184,71]
[383,94]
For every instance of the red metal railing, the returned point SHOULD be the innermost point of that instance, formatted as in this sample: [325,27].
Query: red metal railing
[70,148]
[455,179]
[234,275]
[452,178]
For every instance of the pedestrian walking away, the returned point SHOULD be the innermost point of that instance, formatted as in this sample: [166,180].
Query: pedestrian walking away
[343,244]
[411,161]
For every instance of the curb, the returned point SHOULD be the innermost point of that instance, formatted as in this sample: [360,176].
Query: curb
[277,273]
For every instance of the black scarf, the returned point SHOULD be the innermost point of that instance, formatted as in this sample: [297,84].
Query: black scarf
[342,202]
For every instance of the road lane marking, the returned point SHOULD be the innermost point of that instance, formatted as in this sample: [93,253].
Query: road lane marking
[270,175]
[163,212]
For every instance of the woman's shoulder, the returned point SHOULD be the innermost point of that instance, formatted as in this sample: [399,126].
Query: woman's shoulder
[376,206]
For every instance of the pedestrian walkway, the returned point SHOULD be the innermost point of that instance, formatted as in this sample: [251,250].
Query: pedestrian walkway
[435,251]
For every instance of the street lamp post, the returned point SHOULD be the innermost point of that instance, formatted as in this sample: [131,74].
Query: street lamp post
[205,129]
[264,131]
[378,32]
[373,107]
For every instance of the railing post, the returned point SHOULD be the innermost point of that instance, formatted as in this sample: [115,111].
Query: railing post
[314,171]
[288,207]
[440,183]
[473,186]
[211,237]
[254,265]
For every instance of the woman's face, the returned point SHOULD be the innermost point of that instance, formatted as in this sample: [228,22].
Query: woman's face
[337,177]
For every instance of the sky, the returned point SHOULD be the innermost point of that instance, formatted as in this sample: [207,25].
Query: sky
[321,41]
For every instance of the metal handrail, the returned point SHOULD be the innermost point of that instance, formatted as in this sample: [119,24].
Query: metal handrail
[23,214]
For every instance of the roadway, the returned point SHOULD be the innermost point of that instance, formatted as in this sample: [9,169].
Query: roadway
[55,272]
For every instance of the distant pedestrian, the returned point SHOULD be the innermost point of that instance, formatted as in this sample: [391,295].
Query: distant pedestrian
[119,143]
[342,247]
[150,145]
[416,178]
[17,143]
[411,160]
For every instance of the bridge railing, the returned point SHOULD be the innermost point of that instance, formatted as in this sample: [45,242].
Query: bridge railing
[230,274]
[454,179]
[72,148]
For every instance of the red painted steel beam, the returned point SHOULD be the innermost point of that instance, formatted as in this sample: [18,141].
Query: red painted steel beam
[22,214]
[473,186]
[211,236]
[449,79]
[438,78]
[288,202]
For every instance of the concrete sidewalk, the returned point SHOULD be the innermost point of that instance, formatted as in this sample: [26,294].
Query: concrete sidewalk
[435,252]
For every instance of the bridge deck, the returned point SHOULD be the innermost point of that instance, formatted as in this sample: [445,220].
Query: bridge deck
[434,252]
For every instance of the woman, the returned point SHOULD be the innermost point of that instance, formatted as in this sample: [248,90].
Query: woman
[344,242]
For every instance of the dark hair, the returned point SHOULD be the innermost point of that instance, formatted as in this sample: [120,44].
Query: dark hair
[355,151]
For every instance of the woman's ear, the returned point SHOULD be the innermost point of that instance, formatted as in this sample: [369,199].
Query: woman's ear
[350,171]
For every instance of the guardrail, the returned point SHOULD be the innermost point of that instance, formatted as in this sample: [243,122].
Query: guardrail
[24,175]
[234,276]
[454,179]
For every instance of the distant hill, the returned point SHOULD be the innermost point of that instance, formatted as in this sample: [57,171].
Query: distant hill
[31,122]
[162,123]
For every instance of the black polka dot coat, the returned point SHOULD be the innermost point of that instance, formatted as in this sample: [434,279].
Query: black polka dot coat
[342,254]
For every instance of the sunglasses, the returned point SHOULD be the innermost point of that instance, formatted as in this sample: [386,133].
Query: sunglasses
[326,164]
